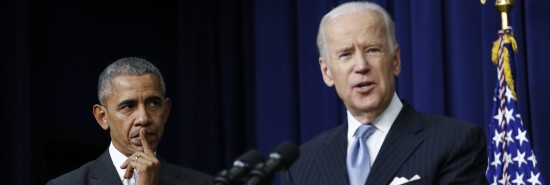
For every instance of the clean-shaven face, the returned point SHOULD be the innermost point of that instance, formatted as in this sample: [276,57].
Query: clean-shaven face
[136,102]
[360,63]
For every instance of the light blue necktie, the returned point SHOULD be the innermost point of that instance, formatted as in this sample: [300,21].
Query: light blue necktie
[358,161]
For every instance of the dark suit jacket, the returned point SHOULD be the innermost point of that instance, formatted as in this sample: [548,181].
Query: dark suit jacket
[102,172]
[439,149]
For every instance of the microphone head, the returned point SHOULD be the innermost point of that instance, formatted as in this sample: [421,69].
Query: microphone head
[241,167]
[287,152]
[249,159]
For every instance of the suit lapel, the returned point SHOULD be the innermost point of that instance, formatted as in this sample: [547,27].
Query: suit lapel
[169,176]
[334,156]
[404,137]
[103,171]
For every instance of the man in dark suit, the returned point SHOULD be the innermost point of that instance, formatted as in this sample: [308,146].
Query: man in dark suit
[134,109]
[361,58]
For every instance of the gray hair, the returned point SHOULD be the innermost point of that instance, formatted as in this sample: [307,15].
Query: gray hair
[122,67]
[350,8]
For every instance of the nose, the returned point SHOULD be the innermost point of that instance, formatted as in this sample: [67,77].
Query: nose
[142,117]
[361,63]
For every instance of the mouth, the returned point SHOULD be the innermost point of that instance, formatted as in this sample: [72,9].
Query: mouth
[364,87]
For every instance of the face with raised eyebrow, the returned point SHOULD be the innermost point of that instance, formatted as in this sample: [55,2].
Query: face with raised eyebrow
[134,102]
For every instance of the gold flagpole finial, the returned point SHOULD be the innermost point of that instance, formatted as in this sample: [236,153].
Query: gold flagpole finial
[504,7]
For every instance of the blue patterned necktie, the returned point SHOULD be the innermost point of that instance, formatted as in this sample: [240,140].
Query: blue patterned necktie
[358,161]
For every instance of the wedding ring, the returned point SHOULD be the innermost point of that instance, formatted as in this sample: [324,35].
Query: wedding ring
[137,157]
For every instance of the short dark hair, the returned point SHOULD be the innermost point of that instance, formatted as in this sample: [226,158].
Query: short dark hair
[125,66]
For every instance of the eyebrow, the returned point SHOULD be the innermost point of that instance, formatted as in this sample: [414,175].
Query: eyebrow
[153,98]
[133,101]
[126,102]
[344,48]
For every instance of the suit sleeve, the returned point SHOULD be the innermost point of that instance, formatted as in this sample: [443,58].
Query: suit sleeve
[467,162]
[286,178]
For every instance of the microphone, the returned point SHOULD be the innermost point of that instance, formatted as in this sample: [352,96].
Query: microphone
[240,169]
[281,158]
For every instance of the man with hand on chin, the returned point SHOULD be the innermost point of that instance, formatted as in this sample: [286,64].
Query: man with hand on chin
[134,109]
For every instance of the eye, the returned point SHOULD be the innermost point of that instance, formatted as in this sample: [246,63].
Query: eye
[344,55]
[373,51]
[155,103]
[127,107]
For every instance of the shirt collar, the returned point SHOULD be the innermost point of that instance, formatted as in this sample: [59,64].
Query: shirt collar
[382,122]
[118,158]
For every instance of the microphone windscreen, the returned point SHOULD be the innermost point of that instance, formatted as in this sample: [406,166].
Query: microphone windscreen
[287,152]
[249,159]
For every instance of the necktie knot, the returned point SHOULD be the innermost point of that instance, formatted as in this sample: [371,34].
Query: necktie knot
[364,131]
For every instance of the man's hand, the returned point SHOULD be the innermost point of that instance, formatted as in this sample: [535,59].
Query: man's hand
[145,163]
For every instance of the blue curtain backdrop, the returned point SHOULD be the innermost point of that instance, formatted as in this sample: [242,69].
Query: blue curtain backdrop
[242,74]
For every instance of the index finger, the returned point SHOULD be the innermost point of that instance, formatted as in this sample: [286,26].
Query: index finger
[146,146]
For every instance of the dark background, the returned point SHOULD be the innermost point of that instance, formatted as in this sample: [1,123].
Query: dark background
[242,74]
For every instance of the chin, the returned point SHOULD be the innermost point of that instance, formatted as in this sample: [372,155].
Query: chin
[367,107]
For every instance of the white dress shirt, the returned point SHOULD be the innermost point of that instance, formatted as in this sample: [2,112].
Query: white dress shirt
[119,158]
[382,126]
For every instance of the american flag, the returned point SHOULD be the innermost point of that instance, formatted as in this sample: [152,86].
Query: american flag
[511,159]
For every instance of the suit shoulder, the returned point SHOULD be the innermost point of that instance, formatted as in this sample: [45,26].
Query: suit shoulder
[321,139]
[434,121]
[191,175]
[453,131]
[448,122]
[77,176]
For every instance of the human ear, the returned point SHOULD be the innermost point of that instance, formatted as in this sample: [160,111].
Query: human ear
[325,71]
[396,61]
[167,107]
[99,114]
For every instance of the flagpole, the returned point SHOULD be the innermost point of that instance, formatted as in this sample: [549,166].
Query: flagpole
[504,7]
